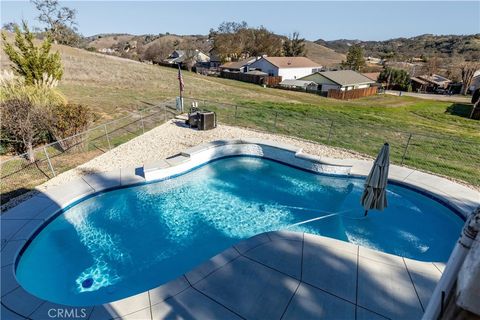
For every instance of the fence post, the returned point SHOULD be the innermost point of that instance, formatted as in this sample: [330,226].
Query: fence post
[141,120]
[108,139]
[406,147]
[236,112]
[275,121]
[49,162]
[330,132]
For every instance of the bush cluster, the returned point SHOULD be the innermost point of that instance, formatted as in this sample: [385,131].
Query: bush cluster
[33,111]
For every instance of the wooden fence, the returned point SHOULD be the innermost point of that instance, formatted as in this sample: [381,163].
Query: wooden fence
[352,94]
[252,78]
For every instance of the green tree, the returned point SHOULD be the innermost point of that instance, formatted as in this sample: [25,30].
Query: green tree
[397,78]
[294,46]
[355,60]
[30,61]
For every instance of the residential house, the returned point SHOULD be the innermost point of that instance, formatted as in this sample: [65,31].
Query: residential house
[196,57]
[286,67]
[215,60]
[303,85]
[343,80]
[373,60]
[430,83]
[237,66]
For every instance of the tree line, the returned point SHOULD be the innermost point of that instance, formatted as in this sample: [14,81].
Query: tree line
[233,41]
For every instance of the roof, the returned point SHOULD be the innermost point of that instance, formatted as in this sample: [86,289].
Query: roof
[372,75]
[415,79]
[292,62]
[297,83]
[183,55]
[346,77]
[257,72]
[435,79]
[237,64]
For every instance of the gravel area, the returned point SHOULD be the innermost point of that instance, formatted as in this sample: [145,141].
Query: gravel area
[169,139]
[174,137]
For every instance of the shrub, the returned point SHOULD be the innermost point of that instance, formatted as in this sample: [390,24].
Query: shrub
[26,112]
[42,94]
[396,78]
[67,120]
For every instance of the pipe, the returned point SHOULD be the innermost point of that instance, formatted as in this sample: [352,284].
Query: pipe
[447,281]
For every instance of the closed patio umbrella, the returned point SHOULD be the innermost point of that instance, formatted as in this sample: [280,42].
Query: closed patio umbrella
[375,195]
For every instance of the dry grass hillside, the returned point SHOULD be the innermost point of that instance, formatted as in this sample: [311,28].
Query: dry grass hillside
[323,55]
[108,41]
[113,85]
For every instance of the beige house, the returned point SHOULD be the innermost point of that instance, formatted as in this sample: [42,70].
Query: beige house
[343,80]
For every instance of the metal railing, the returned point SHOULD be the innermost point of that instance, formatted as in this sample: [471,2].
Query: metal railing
[445,155]
[18,175]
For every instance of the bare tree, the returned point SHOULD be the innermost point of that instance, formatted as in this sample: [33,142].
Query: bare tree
[158,51]
[234,41]
[58,20]
[431,65]
[467,70]
[10,26]
[22,122]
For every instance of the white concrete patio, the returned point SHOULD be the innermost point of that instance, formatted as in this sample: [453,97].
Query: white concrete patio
[277,275]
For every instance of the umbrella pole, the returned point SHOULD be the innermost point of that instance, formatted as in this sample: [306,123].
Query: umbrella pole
[366,212]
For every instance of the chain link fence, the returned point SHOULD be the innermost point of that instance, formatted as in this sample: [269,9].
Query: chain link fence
[444,155]
[19,175]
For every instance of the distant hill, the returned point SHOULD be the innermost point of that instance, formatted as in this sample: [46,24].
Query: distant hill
[131,46]
[443,46]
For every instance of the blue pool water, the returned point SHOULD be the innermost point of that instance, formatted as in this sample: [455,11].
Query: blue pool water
[129,240]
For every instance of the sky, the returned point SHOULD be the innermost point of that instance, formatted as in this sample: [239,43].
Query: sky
[329,20]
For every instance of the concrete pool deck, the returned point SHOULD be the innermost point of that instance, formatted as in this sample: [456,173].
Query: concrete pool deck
[271,275]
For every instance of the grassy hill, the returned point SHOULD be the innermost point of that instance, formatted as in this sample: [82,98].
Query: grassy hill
[113,86]
[323,55]
[318,53]
[442,46]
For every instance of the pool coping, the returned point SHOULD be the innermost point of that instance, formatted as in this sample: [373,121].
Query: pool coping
[23,222]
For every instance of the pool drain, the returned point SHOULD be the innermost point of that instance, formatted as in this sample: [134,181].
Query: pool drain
[87,283]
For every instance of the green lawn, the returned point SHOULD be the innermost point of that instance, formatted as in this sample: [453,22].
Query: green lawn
[438,141]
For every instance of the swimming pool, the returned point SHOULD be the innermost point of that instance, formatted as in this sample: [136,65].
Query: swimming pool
[129,240]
